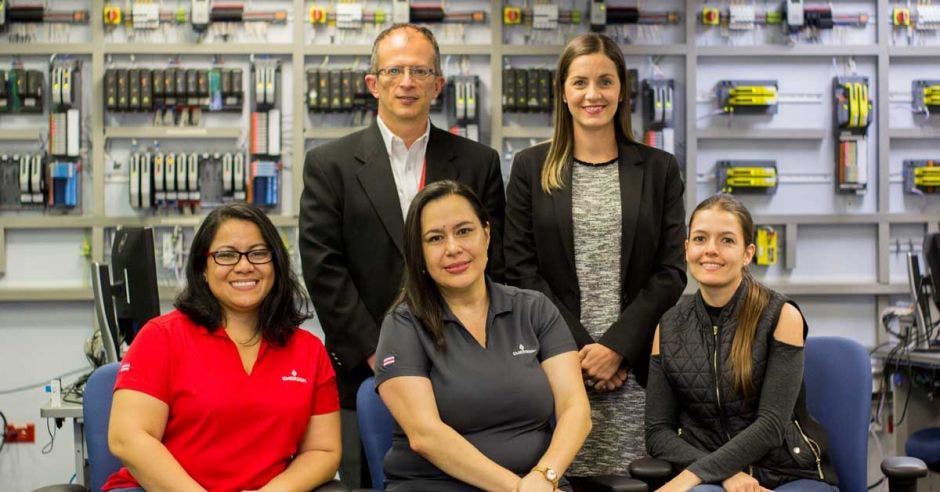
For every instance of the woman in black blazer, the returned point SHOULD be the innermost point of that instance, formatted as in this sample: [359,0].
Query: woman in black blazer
[595,221]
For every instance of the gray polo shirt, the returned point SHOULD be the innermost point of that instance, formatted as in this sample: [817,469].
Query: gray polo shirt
[498,397]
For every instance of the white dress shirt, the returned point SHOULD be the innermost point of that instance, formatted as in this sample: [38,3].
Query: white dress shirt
[407,164]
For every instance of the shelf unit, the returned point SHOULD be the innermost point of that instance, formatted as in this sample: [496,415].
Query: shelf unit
[297,51]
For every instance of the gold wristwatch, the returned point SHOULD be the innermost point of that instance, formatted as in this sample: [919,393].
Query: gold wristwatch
[549,473]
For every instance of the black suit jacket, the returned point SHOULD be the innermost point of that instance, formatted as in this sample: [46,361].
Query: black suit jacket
[351,234]
[540,245]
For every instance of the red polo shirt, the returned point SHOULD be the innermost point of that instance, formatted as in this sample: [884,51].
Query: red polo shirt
[228,429]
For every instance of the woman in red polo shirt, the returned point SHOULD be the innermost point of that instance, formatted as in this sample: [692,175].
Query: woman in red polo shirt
[226,392]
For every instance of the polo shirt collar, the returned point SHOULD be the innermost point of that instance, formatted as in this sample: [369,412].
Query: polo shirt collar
[500,302]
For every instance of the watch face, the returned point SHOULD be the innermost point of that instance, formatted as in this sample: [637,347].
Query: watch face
[551,475]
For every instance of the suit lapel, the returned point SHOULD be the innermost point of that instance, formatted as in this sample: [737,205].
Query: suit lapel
[377,181]
[631,191]
[561,198]
[440,157]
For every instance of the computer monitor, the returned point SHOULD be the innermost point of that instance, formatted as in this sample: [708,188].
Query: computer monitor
[126,293]
[932,264]
[104,311]
[921,330]
[134,280]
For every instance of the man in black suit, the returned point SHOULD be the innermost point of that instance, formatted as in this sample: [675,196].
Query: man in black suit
[357,190]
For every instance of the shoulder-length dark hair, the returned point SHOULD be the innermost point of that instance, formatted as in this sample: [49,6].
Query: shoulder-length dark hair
[755,300]
[419,291]
[281,311]
[561,149]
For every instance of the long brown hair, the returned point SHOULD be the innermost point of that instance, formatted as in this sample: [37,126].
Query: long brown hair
[755,300]
[419,291]
[562,147]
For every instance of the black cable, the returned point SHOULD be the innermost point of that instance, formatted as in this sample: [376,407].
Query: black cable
[3,431]
[877,483]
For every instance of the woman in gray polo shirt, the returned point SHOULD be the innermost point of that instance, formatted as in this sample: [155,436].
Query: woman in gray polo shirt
[474,371]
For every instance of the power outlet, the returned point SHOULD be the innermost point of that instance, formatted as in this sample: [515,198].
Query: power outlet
[26,433]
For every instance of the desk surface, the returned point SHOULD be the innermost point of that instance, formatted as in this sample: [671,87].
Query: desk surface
[910,357]
[66,411]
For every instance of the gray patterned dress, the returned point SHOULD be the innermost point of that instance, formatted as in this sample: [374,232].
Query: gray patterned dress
[617,436]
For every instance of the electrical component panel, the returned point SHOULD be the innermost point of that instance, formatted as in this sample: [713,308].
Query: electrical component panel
[528,90]
[658,113]
[149,16]
[348,94]
[852,108]
[925,96]
[852,103]
[21,91]
[262,172]
[160,179]
[793,17]
[921,176]
[149,89]
[746,176]
[463,96]
[747,96]
[767,242]
[22,180]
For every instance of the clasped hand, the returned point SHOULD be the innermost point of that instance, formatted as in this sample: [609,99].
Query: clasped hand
[600,367]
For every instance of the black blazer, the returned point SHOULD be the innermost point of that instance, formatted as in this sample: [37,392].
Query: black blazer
[351,233]
[540,245]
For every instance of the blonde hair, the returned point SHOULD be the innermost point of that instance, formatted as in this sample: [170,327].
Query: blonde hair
[561,149]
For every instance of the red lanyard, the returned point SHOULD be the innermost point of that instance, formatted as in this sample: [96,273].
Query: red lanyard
[424,170]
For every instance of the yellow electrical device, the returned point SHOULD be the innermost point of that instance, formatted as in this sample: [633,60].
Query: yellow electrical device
[753,97]
[927,176]
[711,16]
[512,16]
[767,241]
[317,15]
[112,15]
[735,176]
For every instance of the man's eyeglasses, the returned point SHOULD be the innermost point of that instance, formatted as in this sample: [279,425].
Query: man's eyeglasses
[229,257]
[398,72]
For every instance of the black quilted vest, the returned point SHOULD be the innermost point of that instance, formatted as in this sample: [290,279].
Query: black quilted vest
[711,412]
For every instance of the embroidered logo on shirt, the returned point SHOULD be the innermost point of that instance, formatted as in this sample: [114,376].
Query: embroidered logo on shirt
[388,361]
[293,377]
[125,367]
[522,350]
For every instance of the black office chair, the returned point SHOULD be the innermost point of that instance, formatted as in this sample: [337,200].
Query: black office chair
[838,394]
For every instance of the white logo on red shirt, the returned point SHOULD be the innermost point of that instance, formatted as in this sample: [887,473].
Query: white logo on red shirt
[293,377]
[125,367]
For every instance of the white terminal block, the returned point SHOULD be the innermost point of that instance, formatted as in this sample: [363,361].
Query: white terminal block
[742,17]
[146,15]
[544,16]
[795,13]
[349,16]
[54,388]
[928,17]
[401,11]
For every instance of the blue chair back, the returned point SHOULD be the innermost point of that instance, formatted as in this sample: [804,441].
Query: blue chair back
[375,429]
[96,404]
[838,393]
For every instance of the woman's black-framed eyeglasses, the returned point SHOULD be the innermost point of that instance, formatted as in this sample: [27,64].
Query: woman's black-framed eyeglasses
[230,257]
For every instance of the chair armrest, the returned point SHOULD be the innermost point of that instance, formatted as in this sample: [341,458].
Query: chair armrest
[903,467]
[332,486]
[610,483]
[62,488]
[903,473]
[651,469]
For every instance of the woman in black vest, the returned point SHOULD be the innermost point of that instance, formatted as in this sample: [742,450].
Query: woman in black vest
[725,400]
